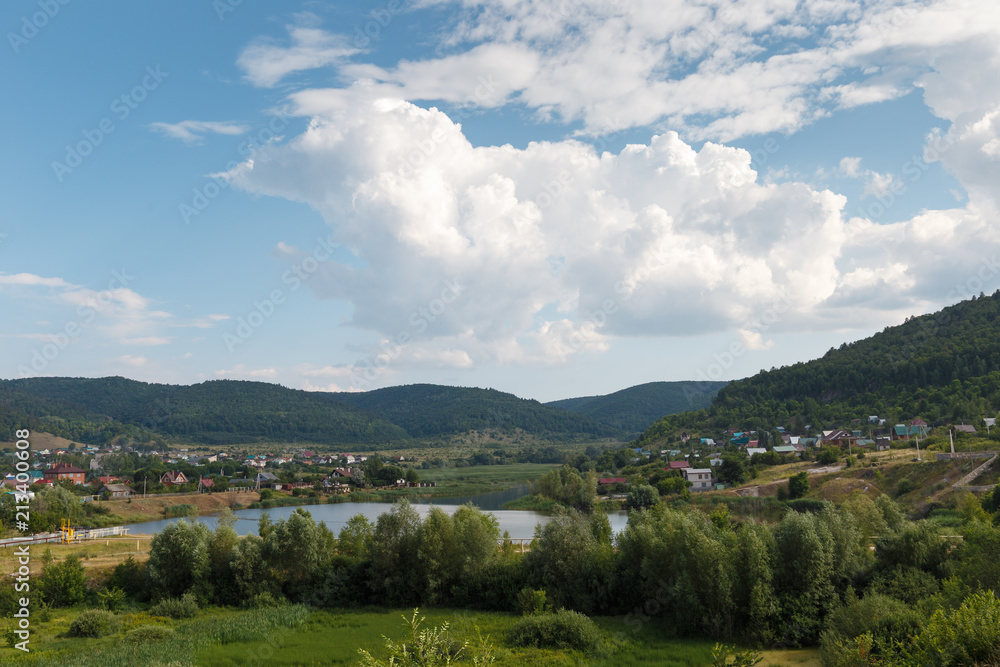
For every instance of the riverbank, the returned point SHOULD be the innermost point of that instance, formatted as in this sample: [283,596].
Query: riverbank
[151,508]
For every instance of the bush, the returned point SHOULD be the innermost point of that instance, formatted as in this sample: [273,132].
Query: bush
[130,576]
[966,636]
[532,602]
[111,598]
[803,505]
[180,510]
[262,600]
[94,623]
[563,629]
[64,584]
[828,456]
[798,485]
[185,607]
[149,633]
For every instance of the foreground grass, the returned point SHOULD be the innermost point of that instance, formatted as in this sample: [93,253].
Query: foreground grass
[296,636]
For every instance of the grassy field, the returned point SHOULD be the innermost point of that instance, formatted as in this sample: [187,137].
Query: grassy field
[295,636]
[101,554]
[482,479]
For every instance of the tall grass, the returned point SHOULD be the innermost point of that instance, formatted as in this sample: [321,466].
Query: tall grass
[255,625]
[186,509]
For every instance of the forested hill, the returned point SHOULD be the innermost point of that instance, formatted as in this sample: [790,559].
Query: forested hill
[434,410]
[634,409]
[215,412]
[942,366]
[232,411]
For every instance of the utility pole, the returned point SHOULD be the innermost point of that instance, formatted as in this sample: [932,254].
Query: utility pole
[918,448]
[951,439]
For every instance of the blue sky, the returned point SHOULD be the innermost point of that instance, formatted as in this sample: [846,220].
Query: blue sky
[553,199]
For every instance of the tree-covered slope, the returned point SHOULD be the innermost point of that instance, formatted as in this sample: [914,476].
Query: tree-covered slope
[941,366]
[435,410]
[634,409]
[216,412]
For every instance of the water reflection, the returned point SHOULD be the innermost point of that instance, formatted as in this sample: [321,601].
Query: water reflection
[520,524]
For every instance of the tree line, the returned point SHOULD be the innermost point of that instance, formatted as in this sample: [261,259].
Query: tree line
[810,578]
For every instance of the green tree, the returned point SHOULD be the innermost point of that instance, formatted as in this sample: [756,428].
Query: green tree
[355,537]
[179,559]
[798,485]
[64,584]
[641,496]
[733,469]
[395,563]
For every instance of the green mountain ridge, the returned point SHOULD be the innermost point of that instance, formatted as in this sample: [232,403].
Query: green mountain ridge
[426,410]
[218,412]
[635,409]
[944,366]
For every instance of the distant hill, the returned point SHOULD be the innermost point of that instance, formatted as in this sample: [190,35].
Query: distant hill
[634,409]
[435,410]
[216,412]
[232,411]
[944,366]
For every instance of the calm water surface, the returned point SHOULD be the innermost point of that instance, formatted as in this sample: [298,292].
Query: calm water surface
[520,524]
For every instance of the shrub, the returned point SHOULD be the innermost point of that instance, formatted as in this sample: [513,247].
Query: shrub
[185,607]
[563,629]
[111,598]
[798,485]
[803,505]
[130,576]
[149,633]
[94,623]
[905,486]
[746,658]
[180,510]
[262,600]
[532,602]
[63,584]
[966,636]
[431,646]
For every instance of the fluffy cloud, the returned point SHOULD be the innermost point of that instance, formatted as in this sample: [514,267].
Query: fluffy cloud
[503,255]
[710,70]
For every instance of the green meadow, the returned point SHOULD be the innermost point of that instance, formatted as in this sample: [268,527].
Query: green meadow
[219,637]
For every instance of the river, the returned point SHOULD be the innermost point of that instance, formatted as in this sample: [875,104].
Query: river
[519,523]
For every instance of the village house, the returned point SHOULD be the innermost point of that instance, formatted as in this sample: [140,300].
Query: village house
[677,465]
[700,478]
[65,471]
[173,478]
[838,438]
[118,490]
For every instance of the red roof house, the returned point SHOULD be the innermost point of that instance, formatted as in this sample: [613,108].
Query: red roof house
[65,471]
[173,477]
